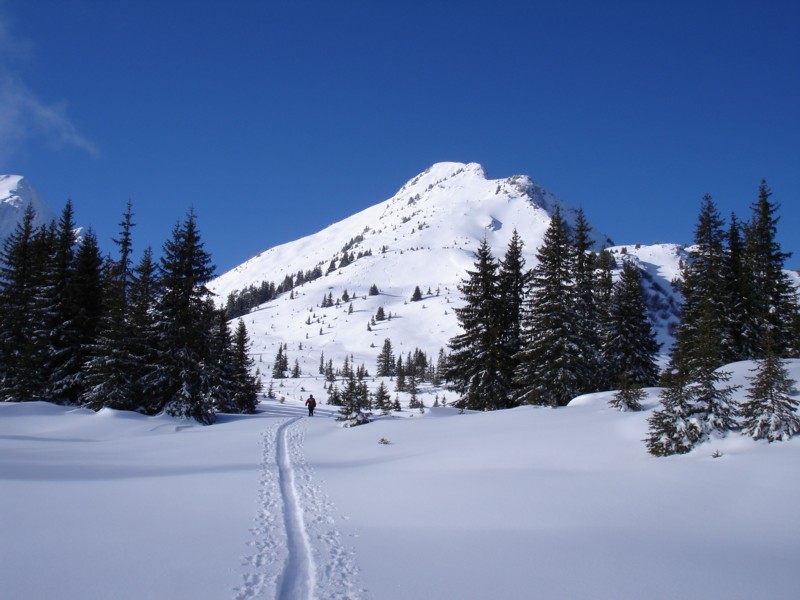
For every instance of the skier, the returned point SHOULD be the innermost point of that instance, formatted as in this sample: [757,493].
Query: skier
[311,404]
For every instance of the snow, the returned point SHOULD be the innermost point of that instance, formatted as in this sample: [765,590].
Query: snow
[529,502]
[15,195]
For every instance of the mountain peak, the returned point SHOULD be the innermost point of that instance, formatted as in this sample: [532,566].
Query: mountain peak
[439,173]
[16,194]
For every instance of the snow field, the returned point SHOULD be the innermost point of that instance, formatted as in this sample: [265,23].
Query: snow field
[524,503]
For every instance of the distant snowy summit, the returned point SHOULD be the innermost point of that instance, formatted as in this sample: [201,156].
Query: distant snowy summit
[16,194]
[449,206]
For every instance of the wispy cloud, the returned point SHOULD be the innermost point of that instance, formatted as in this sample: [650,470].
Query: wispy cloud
[24,116]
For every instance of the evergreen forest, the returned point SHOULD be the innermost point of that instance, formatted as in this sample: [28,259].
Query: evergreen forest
[545,335]
[82,329]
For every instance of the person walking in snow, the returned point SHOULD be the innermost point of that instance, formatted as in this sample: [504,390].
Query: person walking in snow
[311,404]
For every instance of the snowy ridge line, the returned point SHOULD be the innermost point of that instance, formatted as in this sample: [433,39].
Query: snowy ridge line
[268,538]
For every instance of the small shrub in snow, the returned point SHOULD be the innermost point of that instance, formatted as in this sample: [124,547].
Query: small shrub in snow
[384,441]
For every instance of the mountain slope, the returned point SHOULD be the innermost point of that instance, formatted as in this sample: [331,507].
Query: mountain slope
[425,236]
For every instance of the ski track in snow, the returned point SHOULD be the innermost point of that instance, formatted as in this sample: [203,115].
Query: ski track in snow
[297,550]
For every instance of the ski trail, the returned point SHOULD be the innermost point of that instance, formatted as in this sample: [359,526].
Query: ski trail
[296,582]
[297,550]
[337,573]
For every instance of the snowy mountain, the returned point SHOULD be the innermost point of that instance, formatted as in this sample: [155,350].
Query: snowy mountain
[425,236]
[16,194]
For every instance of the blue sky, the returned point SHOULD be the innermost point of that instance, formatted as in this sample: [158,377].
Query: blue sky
[274,119]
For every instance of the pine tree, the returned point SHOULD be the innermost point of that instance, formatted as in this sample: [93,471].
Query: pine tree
[550,370]
[773,299]
[245,385]
[57,337]
[586,313]
[382,398]
[218,375]
[417,295]
[629,396]
[143,366]
[712,401]
[474,366]
[354,404]
[19,273]
[386,360]
[741,334]
[111,370]
[603,293]
[512,280]
[704,316]
[770,411]
[672,428]
[280,365]
[183,324]
[630,349]
[85,294]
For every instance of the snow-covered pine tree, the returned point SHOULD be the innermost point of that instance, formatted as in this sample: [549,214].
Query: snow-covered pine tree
[474,367]
[183,324]
[629,396]
[712,402]
[550,369]
[354,404]
[770,411]
[672,428]
[630,349]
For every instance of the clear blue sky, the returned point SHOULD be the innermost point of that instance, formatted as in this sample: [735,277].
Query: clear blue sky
[275,118]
